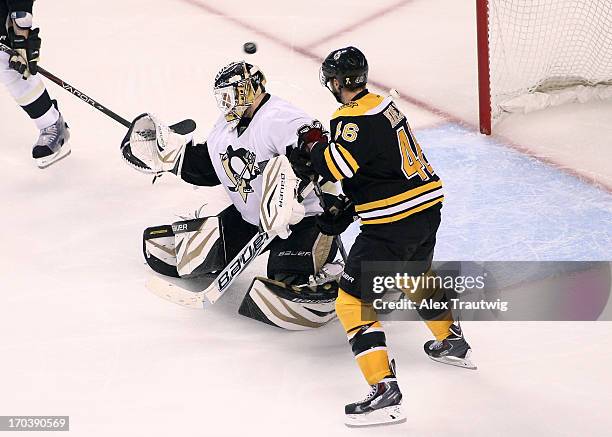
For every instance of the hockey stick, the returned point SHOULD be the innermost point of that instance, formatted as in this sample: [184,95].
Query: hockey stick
[208,296]
[183,127]
[75,92]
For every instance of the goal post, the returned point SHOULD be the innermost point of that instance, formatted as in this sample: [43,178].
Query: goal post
[533,54]
[484,73]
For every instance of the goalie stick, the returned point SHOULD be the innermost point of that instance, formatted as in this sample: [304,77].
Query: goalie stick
[201,299]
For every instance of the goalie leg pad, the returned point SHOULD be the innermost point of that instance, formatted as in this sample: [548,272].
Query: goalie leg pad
[289,307]
[196,247]
[185,249]
[199,247]
[158,250]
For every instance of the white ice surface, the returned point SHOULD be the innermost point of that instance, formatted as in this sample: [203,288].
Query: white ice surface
[80,336]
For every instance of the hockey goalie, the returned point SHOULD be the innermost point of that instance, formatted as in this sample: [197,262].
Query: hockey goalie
[245,152]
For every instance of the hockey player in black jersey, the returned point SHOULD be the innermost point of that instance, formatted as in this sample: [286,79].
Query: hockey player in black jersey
[398,197]
[18,72]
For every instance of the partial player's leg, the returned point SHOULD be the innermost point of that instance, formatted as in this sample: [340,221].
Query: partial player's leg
[367,339]
[412,239]
[52,144]
[33,97]
[449,346]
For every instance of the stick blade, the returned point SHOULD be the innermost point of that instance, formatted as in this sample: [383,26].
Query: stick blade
[184,127]
[175,294]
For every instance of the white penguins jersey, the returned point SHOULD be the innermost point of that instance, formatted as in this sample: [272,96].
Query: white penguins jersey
[236,158]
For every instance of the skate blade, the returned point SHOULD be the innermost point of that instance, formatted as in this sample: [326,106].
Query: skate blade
[52,159]
[385,416]
[464,363]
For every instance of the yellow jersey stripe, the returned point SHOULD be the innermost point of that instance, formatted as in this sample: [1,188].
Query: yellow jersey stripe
[331,165]
[402,215]
[359,107]
[399,197]
[348,157]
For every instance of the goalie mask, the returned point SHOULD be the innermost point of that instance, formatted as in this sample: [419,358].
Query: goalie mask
[236,88]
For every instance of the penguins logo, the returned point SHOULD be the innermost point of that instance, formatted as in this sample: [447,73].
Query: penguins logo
[241,169]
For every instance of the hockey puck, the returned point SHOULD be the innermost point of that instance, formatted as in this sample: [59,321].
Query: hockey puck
[249,47]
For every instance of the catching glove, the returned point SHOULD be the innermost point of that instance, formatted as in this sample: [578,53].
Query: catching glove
[153,147]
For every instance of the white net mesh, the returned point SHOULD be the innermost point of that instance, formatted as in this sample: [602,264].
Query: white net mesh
[545,52]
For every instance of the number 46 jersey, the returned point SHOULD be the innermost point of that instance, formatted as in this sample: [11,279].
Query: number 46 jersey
[381,165]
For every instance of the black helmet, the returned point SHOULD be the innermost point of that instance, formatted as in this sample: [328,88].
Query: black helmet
[348,65]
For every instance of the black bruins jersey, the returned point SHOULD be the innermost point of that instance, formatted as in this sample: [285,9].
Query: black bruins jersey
[381,165]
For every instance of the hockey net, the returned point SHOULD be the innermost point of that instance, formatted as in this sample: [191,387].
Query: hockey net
[542,53]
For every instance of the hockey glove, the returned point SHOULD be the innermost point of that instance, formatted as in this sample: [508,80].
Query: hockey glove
[301,164]
[308,136]
[337,216]
[153,147]
[26,44]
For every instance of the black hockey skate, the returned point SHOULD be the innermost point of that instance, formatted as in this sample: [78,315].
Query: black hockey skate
[453,350]
[381,406]
[52,143]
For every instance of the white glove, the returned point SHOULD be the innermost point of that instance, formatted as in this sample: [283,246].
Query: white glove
[153,147]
